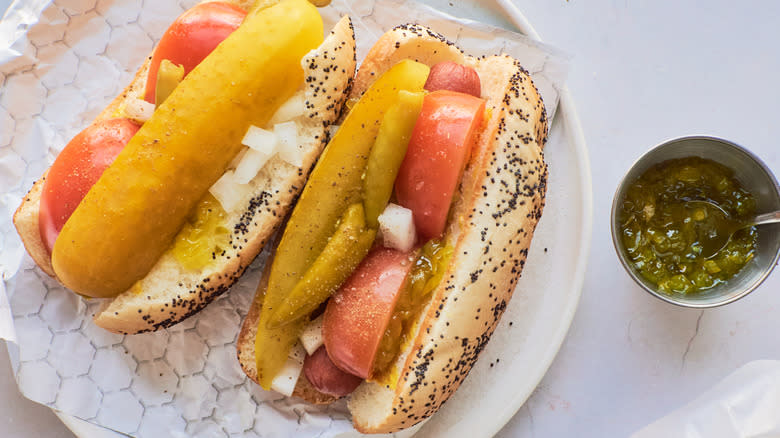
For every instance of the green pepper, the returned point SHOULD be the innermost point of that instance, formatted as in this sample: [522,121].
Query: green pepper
[168,77]
[343,253]
[388,153]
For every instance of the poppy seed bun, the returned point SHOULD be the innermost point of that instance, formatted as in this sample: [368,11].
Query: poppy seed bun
[498,204]
[245,346]
[170,293]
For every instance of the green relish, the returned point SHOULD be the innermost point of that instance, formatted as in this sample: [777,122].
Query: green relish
[659,226]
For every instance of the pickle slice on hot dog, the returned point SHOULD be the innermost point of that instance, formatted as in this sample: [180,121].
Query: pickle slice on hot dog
[227,227]
[130,217]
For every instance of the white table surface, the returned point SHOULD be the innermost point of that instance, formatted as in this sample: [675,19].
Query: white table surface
[642,71]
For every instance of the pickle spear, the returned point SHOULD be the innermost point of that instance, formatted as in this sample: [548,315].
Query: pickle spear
[345,250]
[334,184]
[131,216]
[388,153]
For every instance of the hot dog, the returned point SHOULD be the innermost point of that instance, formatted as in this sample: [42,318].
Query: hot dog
[161,215]
[416,308]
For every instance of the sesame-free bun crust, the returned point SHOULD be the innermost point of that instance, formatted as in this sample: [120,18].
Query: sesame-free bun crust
[499,203]
[170,293]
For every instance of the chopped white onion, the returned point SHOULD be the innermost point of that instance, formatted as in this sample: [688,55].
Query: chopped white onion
[237,159]
[285,380]
[139,110]
[397,226]
[262,144]
[332,130]
[248,167]
[228,192]
[298,353]
[292,108]
[288,147]
[311,337]
[260,140]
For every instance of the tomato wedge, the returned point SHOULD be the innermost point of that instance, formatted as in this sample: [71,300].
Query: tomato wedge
[191,38]
[357,315]
[76,169]
[438,151]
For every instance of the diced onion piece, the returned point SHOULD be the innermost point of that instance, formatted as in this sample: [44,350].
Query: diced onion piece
[237,159]
[284,382]
[248,167]
[297,352]
[139,110]
[311,337]
[260,140]
[397,226]
[332,130]
[292,108]
[228,192]
[288,147]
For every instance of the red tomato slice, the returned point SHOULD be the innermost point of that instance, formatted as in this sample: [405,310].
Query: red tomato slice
[438,150]
[358,313]
[191,38]
[76,169]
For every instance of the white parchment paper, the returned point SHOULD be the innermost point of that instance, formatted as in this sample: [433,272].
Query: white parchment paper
[61,62]
[746,404]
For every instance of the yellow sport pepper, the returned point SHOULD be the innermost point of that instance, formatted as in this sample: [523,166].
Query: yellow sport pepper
[334,184]
[388,153]
[345,250]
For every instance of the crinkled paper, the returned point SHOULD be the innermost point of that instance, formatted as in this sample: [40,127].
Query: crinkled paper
[60,64]
[746,404]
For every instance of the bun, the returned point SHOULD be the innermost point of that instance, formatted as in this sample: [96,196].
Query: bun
[170,293]
[245,345]
[499,203]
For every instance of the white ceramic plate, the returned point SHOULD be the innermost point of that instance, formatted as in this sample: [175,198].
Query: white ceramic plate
[538,318]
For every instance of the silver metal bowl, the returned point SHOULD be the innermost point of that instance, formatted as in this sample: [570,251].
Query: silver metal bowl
[754,176]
